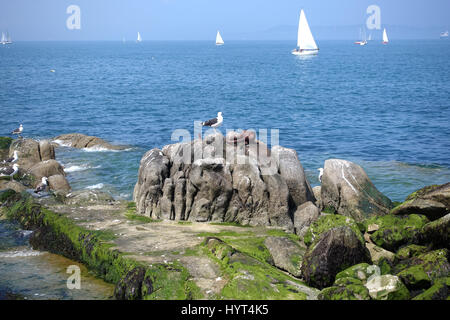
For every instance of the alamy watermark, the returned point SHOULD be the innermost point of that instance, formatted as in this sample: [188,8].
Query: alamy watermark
[73,22]
[74,280]
[374,20]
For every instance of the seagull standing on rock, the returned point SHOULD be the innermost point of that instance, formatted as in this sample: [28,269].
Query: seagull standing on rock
[42,186]
[13,159]
[9,171]
[320,174]
[18,131]
[215,122]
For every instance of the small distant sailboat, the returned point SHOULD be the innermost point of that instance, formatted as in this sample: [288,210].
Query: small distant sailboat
[219,40]
[370,37]
[305,40]
[363,40]
[385,37]
[444,34]
[6,38]
[3,41]
[139,39]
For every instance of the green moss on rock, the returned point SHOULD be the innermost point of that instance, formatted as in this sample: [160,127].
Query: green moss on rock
[439,291]
[348,292]
[5,143]
[362,272]
[410,251]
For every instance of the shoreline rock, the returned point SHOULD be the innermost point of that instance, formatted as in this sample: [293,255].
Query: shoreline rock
[80,141]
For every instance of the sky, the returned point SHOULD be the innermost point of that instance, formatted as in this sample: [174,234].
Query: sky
[200,19]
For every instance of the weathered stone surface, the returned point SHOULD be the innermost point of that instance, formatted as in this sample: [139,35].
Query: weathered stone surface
[78,140]
[131,285]
[305,214]
[88,197]
[317,191]
[377,253]
[387,287]
[335,250]
[440,290]
[59,183]
[409,251]
[431,201]
[437,232]
[345,292]
[47,169]
[347,189]
[286,254]
[362,271]
[209,180]
[12,184]
[28,152]
[46,150]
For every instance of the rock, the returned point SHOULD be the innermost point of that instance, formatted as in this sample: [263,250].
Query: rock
[440,290]
[131,285]
[431,201]
[291,170]
[387,287]
[396,231]
[317,191]
[409,251]
[5,143]
[327,222]
[305,214]
[28,152]
[46,150]
[334,251]
[362,272]
[419,272]
[84,197]
[371,228]
[347,189]
[12,184]
[59,184]
[437,232]
[377,253]
[347,292]
[286,254]
[47,169]
[78,140]
[210,180]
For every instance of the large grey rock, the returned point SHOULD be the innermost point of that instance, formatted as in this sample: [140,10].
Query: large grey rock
[59,184]
[437,232]
[431,201]
[88,197]
[78,140]
[317,194]
[387,287]
[28,152]
[305,214]
[46,169]
[334,251]
[286,254]
[347,189]
[46,150]
[210,180]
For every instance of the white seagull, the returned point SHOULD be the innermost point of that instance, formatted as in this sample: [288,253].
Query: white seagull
[18,131]
[320,174]
[9,171]
[13,159]
[42,186]
[215,122]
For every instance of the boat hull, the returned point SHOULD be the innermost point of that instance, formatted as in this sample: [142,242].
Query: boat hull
[305,52]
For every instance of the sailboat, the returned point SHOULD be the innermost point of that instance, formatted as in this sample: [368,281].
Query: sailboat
[8,38]
[363,40]
[385,37]
[305,40]
[139,39]
[370,37]
[219,40]
[444,34]
[3,41]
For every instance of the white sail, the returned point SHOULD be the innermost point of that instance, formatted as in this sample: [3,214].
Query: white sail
[3,38]
[219,39]
[305,39]
[385,37]
[8,37]
[139,39]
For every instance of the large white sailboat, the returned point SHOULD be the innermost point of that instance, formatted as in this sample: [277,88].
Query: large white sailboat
[139,39]
[219,40]
[305,40]
[385,37]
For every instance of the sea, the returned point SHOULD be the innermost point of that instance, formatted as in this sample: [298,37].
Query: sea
[384,107]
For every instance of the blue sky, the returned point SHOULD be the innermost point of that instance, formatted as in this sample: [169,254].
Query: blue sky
[199,19]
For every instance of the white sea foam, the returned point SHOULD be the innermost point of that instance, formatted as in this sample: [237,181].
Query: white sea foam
[103,149]
[96,186]
[62,143]
[19,253]
[76,168]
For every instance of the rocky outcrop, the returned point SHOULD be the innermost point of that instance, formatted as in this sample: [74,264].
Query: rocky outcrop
[431,201]
[78,140]
[305,214]
[46,169]
[210,180]
[334,251]
[437,232]
[59,183]
[347,190]
[387,287]
[29,152]
[87,197]
[286,254]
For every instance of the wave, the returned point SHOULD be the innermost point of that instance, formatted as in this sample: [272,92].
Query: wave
[96,186]
[103,149]
[76,168]
[62,143]
[20,253]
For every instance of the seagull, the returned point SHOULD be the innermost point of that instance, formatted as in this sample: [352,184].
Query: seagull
[13,159]
[320,174]
[215,122]
[42,186]
[9,171]
[18,131]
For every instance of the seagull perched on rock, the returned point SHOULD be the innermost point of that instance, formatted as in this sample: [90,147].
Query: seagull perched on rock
[9,171]
[42,186]
[320,174]
[13,159]
[215,122]
[18,131]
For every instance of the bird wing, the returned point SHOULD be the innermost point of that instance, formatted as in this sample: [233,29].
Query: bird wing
[210,122]
[7,171]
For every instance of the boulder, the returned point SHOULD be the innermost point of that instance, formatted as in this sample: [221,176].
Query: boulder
[78,140]
[437,233]
[286,254]
[334,251]
[396,231]
[12,184]
[431,201]
[345,292]
[5,143]
[46,150]
[305,214]
[317,191]
[88,197]
[347,189]
[440,290]
[47,169]
[59,183]
[377,254]
[387,287]
[28,152]
[362,272]
[409,251]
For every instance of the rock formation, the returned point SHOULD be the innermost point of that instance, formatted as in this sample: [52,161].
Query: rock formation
[78,140]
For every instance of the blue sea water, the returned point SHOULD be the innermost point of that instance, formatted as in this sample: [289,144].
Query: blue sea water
[386,108]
